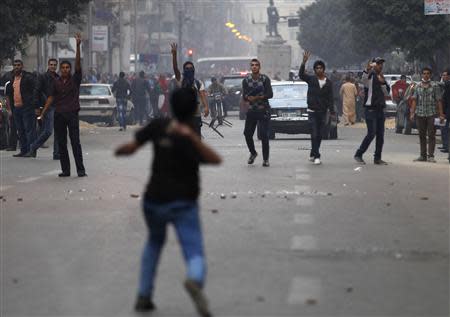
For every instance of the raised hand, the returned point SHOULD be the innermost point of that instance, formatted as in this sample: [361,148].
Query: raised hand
[78,38]
[306,56]
[174,48]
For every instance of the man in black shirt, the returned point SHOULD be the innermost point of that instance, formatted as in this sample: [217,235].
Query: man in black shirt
[172,194]
[140,87]
[320,101]
[121,88]
[257,90]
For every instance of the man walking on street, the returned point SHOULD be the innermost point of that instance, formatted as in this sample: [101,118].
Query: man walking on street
[376,89]
[44,88]
[139,87]
[426,106]
[65,97]
[121,89]
[172,197]
[320,100]
[349,93]
[20,93]
[257,90]
[188,80]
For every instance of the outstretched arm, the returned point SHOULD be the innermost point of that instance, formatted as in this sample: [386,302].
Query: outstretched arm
[77,54]
[301,72]
[176,71]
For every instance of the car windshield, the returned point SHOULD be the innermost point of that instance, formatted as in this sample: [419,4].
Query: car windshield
[290,91]
[232,82]
[94,91]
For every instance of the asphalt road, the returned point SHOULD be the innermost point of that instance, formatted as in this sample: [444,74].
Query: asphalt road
[293,239]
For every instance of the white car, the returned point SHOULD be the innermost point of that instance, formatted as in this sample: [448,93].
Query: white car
[97,103]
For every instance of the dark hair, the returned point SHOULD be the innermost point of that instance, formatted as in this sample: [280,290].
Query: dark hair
[142,74]
[403,77]
[447,70]
[319,63]
[213,79]
[121,74]
[183,102]
[187,63]
[52,60]
[18,61]
[255,60]
[65,62]
[427,68]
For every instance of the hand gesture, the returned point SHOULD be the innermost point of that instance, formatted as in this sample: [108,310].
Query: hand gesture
[411,116]
[174,48]
[206,112]
[306,55]
[369,65]
[78,38]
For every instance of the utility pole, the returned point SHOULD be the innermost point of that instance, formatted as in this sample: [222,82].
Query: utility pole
[120,36]
[135,36]
[89,50]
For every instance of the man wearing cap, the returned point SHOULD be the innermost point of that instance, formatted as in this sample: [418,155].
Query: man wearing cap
[376,89]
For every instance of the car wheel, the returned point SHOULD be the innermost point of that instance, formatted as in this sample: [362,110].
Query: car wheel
[113,119]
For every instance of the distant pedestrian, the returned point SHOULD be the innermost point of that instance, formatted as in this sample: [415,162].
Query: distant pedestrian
[44,88]
[257,90]
[172,197]
[349,93]
[188,80]
[445,79]
[320,101]
[376,89]
[122,90]
[20,93]
[426,107]
[65,97]
[139,88]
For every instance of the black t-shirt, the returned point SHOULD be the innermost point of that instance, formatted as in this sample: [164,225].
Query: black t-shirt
[175,172]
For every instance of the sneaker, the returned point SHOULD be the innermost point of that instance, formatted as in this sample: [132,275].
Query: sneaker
[19,154]
[379,162]
[311,158]
[420,159]
[359,159]
[82,174]
[444,150]
[317,161]
[266,163]
[144,304]
[197,296]
[63,174]
[431,159]
[120,129]
[252,157]
[30,154]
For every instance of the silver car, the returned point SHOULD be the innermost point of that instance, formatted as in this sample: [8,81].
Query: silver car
[97,103]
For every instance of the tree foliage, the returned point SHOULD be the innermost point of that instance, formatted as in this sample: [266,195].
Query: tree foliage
[399,24]
[326,31]
[20,19]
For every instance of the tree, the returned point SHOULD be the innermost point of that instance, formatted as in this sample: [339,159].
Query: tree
[326,31]
[393,24]
[24,18]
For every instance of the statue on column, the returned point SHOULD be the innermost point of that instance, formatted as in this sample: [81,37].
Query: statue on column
[273,18]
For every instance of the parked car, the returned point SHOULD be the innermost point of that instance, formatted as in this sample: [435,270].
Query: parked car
[289,113]
[97,103]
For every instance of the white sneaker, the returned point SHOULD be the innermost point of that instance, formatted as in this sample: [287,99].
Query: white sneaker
[311,158]
[317,161]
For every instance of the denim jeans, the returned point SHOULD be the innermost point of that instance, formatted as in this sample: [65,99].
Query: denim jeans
[375,128]
[25,119]
[184,216]
[122,111]
[317,122]
[253,119]
[46,130]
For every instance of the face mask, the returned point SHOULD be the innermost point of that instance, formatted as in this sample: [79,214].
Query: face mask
[188,75]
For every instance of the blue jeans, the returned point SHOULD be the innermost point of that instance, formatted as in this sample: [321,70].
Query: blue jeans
[317,122]
[375,128]
[45,132]
[25,119]
[444,133]
[122,111]
[184,215]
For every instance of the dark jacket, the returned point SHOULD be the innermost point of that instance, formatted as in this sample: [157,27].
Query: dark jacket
[138,88]
[27,85]
[374,94]
[121,88]
[318,99]
[44,88]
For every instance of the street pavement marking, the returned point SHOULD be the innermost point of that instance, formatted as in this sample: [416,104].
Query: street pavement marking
[5,187]
[29,179]
[305,201]
[304,289]
[54,172]
[303,189]
[303,243]
[303,219]
[303,177]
